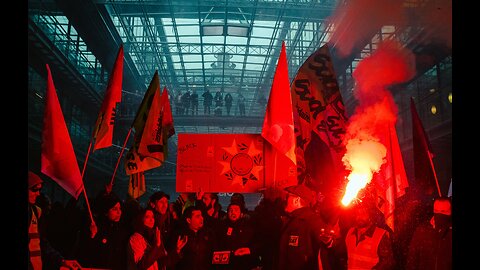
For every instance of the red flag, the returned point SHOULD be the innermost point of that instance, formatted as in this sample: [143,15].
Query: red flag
[278,123]
[103,132]
[425,177]
[142,113]
[391,181]
[167,120]
[136,185]
[134,161]
[151,143]
[58,159]
[320,124]
[152,147]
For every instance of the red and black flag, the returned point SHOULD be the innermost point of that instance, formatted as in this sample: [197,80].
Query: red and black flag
[320,123]
[425,177]
[103,132]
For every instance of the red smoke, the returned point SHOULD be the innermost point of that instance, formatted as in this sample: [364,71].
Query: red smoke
[435,20]
[356,21]
[389,64]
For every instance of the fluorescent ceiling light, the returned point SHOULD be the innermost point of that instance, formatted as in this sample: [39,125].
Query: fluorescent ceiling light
[218,29]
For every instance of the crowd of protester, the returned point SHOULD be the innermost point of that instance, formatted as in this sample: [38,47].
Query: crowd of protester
[194,231]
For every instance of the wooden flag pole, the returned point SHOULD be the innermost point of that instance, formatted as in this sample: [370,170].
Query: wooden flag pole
[120,156]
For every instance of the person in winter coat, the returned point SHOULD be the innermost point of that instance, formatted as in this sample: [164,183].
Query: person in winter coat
[431,244]
[368,246]
[303,234]
[236,234]
[103,243]
[41,255]
[146,250]
[198,252]
[228,102]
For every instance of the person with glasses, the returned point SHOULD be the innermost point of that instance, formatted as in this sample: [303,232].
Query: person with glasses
[40,252]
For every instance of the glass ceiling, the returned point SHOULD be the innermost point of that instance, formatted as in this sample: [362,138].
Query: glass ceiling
[228,46]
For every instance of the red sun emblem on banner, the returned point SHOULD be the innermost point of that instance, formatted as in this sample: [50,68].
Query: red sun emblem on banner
[241,163]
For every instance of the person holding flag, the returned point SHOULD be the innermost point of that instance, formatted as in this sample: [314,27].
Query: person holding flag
[103,243]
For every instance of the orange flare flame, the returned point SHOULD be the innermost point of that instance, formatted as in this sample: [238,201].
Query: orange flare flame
[364,157]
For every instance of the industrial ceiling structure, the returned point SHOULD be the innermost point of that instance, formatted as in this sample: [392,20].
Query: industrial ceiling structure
[231,46]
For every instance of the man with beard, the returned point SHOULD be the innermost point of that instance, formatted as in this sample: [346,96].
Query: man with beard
[431,244]
[236,234]
[368,246]
[197,253]
[211,208]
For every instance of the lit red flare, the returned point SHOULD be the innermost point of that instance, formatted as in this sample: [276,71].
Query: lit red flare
[356,181]
[363,158]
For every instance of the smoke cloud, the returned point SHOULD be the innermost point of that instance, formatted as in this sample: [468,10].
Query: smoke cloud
[365,153]
[357,21]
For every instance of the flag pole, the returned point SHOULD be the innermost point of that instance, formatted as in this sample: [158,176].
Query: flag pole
[434,174]
[449,193]
[275,169]
[88,204]
[83,173]
[120,156]
[86,158]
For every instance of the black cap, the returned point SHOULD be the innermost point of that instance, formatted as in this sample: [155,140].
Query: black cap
[303,192]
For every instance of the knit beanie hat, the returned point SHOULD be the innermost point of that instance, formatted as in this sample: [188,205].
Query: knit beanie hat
[33,179]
